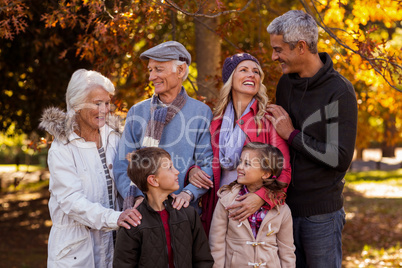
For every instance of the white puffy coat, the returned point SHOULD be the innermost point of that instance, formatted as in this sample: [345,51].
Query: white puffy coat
[79,204]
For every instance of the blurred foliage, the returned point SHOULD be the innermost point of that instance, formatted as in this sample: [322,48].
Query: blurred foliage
[17,148]
[43,42]
[374,30]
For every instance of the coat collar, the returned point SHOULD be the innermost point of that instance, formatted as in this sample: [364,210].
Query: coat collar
[216,123]
[227,198]
[319,78]
[168,203]
[57,123]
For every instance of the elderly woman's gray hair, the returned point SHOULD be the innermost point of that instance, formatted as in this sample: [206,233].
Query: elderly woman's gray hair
[81,84]
[296,25]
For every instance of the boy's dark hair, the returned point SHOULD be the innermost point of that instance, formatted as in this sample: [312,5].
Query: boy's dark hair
[145,162]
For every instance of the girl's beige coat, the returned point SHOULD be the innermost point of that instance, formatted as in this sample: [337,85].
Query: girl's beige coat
[234,245]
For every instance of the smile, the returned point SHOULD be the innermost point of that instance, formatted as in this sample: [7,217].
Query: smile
[249,83]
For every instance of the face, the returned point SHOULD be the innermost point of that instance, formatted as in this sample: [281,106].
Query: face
[289,59]
[246,79]
[167,176]
[166,82]
[96,108]
[249,171]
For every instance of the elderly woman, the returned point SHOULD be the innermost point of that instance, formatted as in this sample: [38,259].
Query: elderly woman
[239,118]
[83,201]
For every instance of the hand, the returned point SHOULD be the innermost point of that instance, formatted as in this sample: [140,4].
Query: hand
[200,178]
[129,216]
[280,120]
[138,201]
[249,204]
[181,200]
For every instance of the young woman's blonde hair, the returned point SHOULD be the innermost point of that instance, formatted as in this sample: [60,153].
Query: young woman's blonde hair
[225,96]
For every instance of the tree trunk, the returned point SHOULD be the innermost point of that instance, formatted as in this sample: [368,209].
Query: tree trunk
[359,153]
[208,57]
[387,150]
[388,146]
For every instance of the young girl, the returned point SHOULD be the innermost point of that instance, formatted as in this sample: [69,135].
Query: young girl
[266,238]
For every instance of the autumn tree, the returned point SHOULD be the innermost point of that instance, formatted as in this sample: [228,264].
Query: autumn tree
[32,73]
[108,36]
[367,51]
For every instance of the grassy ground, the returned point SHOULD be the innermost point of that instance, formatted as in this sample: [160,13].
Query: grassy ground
[23,168]
[371,237]
[373,232]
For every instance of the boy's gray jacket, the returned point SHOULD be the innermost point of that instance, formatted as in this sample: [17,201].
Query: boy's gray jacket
[233,244]
[79,202]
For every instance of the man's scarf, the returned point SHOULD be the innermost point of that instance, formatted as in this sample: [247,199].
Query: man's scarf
[161,115]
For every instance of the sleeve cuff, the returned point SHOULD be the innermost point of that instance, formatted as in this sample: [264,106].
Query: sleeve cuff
[292,136]
[113,220]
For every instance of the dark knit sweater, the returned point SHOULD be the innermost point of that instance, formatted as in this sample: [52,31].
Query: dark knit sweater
[324,109]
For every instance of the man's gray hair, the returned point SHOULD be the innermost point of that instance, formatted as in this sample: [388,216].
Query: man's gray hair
[296,25]
[176,63]
[81,83]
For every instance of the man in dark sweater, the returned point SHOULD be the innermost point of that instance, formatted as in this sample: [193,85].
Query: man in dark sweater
[316,113]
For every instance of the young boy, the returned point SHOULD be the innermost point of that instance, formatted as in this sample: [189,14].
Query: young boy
[166,237]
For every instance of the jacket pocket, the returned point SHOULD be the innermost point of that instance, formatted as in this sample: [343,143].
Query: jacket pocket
[69,240]
[70,246]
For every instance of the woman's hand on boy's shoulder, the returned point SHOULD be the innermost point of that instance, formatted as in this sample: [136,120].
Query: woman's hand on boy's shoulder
[129,216]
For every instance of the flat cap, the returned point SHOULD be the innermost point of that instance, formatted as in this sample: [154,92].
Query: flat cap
[167,51]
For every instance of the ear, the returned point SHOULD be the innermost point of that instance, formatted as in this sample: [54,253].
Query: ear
[301,47]
[152,180]
[266,175]
[180,70]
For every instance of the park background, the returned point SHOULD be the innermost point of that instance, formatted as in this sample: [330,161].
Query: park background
[43,42]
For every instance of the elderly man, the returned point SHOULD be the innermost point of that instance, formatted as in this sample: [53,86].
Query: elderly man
[170,120]
[316,113]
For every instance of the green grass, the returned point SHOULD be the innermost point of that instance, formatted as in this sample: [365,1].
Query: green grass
[23,168]
[30,187]
[389,177]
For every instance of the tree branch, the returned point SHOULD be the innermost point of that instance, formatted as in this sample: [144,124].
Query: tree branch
[371,61]
[8,6]
[175,6]
[192,84]
[213,31]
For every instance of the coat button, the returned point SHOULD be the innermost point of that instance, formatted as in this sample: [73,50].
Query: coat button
[241,122]
[110,166]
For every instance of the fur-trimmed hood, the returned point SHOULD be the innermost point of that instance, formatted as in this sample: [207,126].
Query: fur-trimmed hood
[58,124]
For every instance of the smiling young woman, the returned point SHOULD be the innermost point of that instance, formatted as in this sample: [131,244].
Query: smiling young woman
[239,119]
